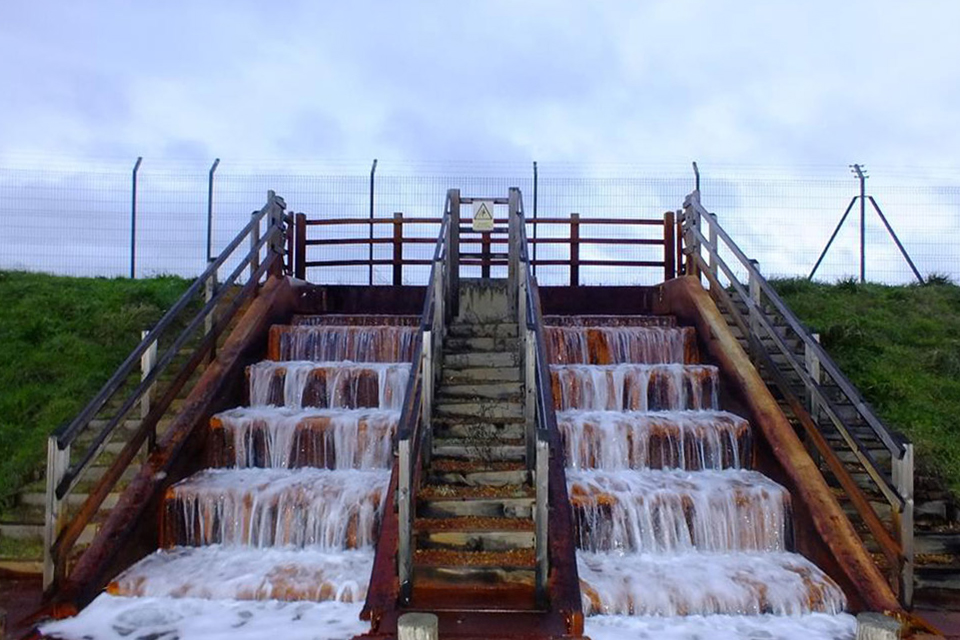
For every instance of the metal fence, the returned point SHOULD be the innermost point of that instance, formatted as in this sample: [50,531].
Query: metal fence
[105,219]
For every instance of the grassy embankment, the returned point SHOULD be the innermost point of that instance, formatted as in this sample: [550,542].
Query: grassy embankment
[901,347]
[60,340]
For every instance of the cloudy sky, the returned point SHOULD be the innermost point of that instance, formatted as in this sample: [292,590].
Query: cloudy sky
[742,82]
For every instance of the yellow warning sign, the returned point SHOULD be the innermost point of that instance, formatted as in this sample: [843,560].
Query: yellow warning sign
[483,215]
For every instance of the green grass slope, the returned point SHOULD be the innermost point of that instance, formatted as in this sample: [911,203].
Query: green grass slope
[60,339]
[900,345]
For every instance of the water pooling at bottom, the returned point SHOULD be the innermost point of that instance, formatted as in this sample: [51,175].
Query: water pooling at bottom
[117,618]
[813,626]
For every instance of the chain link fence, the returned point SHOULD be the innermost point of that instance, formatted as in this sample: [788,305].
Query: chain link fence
[94,219]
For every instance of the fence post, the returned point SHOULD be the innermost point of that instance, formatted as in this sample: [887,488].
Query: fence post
[133,218]
[58,461]
[426,397]
[275,229]
[903,480]
[213,170]
[541,477]
[669,258]
[681,269]
[300,263]
[485,254]
[574,249]
[397,249]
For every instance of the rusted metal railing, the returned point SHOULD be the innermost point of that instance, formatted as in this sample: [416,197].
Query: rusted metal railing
[74,448]
[487,249]
[825,404]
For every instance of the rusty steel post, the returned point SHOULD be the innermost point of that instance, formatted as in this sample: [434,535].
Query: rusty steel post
[397,249]
[574,249]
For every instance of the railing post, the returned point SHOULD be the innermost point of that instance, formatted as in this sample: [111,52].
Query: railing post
[58,461]
[903,480]
[485,254]
[811,362]
[679,254]
[530,391]
[453,256]
[300,252]
[513,245]
[404,558]
[574,249]
[691,221]
[542,475]
[147,362]
[754,311]
[397,249]
[209,290]
[426,396]
[254,252]
[713,250]
[669,264]
[275,228]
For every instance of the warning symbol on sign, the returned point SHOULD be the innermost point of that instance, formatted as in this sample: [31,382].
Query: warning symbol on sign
[483,215]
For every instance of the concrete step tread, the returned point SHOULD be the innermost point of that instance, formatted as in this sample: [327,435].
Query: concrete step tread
[434,492]
[514,558]
[481,375]
[473,524]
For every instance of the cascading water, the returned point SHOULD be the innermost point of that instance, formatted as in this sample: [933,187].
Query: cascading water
[291,514]
[678,537]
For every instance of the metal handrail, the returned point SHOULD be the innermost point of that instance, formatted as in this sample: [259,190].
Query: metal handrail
[414,431]
[62,476]
[542,433]
[897,488]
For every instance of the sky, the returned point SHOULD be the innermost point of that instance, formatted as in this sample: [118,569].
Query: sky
[763,94]
[734,82]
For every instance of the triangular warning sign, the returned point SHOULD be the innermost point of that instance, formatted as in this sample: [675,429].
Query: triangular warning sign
[482,215]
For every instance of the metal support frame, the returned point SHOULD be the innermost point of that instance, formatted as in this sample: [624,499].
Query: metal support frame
[860,172]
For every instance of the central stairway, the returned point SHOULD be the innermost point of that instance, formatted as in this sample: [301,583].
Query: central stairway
[474,542]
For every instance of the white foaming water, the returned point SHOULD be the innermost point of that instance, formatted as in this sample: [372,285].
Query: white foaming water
[377,343]
[332,438]
[638,387]
[117,618]
[274,507]
[635,440]
[705,583]
[612,345]
[245,573]
[814,626]
[669,511]
[339,384]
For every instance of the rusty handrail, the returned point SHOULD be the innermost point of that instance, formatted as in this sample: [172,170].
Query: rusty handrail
[760,324]
[60,532]
[574,239]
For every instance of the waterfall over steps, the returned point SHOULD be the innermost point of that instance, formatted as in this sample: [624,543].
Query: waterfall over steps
[678,537]
[282,530]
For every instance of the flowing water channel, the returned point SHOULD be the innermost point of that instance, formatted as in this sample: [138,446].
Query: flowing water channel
[281,534]
[678,537]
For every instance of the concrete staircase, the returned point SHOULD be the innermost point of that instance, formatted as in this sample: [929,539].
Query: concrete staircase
[474,528]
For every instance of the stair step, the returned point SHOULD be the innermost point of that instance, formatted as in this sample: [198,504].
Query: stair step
[467,560]
[493,507]
[33,498]
[472,540]
[479,344]
[487,411]
[480,375]
[937,543]
[485,330]
[479,429]
[480,476]
[501,391]
[485,359]
[479,449]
